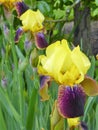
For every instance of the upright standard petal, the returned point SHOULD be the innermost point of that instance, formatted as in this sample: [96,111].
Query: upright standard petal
[71,101]
[55,57]
[80,60]
[78,65]
[32,20]
[61,63]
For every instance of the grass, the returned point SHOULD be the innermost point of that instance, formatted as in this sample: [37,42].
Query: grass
[20,104]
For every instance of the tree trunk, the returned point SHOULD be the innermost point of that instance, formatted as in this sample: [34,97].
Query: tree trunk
[82,28]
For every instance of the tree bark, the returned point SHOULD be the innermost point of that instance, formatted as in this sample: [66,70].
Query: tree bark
[82,28]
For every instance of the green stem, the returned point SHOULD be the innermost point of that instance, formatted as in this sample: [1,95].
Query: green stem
[4,99]
[21,101]
[67,13]
[17,78]
[31,110]
[89,103]
[13,51]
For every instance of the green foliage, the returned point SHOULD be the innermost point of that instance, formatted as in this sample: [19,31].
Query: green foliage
[95,12]
[20,105]
[96,1]
[44,7]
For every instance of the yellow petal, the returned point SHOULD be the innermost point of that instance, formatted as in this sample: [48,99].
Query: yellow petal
[9,4]
[10,1]
[72,76]
[63,65]
[32,20]
[2,1]
[73,122]
[80,60]
[44,93]
[41,70]
[54,46]
[56,54]
[90,86]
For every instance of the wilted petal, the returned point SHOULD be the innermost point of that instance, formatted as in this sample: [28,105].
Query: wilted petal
[40,40]
[19,32]
[57,122]
[21,7]
[90,86]
[34,58]
[97,57]
[71,101]
[44,83]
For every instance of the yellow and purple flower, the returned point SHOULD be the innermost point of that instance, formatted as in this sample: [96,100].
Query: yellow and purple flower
[32,21]
[9,4]
[68,68]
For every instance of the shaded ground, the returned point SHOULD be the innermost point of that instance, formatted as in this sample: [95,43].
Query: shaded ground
[93,36]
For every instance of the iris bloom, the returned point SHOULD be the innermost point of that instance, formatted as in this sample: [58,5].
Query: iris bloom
[68,68]
[9,4]
[32,21]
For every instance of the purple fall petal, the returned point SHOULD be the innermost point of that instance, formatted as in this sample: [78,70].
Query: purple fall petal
[40,40]
[19,32]
[21,7]
[71,101]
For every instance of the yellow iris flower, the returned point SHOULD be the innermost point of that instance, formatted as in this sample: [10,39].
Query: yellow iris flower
[68,68]
[9,4]
[64,65]
[32,20]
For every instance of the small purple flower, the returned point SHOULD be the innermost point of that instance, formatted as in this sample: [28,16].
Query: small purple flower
[4,82]
[40,40]
[27,44]
[19,32]
[71,101]
[6,30]
[21,7]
